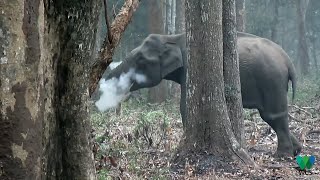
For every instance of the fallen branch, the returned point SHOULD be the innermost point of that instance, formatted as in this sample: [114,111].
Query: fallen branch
[303,121]
[300,109]
[295,119]
[313,132]
[111,41]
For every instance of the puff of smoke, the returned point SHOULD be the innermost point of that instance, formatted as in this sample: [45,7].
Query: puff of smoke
[115,89]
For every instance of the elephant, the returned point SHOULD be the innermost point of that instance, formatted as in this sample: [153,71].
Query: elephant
[265,71]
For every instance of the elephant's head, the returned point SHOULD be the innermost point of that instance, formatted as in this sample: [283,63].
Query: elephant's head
[156,58]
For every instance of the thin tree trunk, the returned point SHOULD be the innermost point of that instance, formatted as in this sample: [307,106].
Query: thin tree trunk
[231,71]
[158,93]
[303,54]
[180,16]
[314,53]
[275,21]
[179,28]
[173,17]
[240,15]
[167,15]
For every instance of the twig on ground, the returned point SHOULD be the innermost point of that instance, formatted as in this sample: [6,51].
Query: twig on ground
[317,131]
[298,109]
[295,119]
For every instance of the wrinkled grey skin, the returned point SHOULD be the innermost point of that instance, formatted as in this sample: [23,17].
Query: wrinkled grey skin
[265,70]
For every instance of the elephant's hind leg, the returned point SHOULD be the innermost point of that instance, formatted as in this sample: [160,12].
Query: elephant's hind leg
[279,123]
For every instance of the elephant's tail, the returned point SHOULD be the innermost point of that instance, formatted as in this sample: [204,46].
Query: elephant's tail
[292,78]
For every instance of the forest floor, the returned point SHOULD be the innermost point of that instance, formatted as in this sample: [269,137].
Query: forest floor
[139,143]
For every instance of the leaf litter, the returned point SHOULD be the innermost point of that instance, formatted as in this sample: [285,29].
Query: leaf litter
[140,142]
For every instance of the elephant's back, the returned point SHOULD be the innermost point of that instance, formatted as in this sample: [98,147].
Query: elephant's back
[262,56]
[263,67]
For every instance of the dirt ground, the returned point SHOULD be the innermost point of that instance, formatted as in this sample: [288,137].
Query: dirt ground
[139,144]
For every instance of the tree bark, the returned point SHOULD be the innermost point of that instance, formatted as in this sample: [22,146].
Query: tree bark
[22,89]
[303,54]
[71,62]
[231,71]
[240,15]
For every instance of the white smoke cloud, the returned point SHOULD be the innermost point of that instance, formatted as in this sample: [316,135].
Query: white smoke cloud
[115,89]
[139,78]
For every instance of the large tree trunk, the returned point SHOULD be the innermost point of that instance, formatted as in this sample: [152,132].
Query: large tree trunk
[231,70]
[158,93]
[22,92]
[44,127]
[71,61]
[240,15]
[303,54]
[208,128]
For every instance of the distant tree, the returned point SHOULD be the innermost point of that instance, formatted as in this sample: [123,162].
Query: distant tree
[240,15]
[274,30]
[180,16]
[156,25]
[303,54]
[313,31]
[272,19]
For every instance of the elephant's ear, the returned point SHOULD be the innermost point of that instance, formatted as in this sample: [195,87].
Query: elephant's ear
[170,59]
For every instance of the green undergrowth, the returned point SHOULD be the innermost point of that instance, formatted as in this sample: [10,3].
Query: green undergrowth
[137,139]
[308,88]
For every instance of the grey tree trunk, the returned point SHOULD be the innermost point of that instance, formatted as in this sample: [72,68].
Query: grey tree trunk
[180,16]
[208,129]
[208,126]
[303,54]
[314,54]
[240,15]
[71,59]
[44,127]
[158,93]
[231,70]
